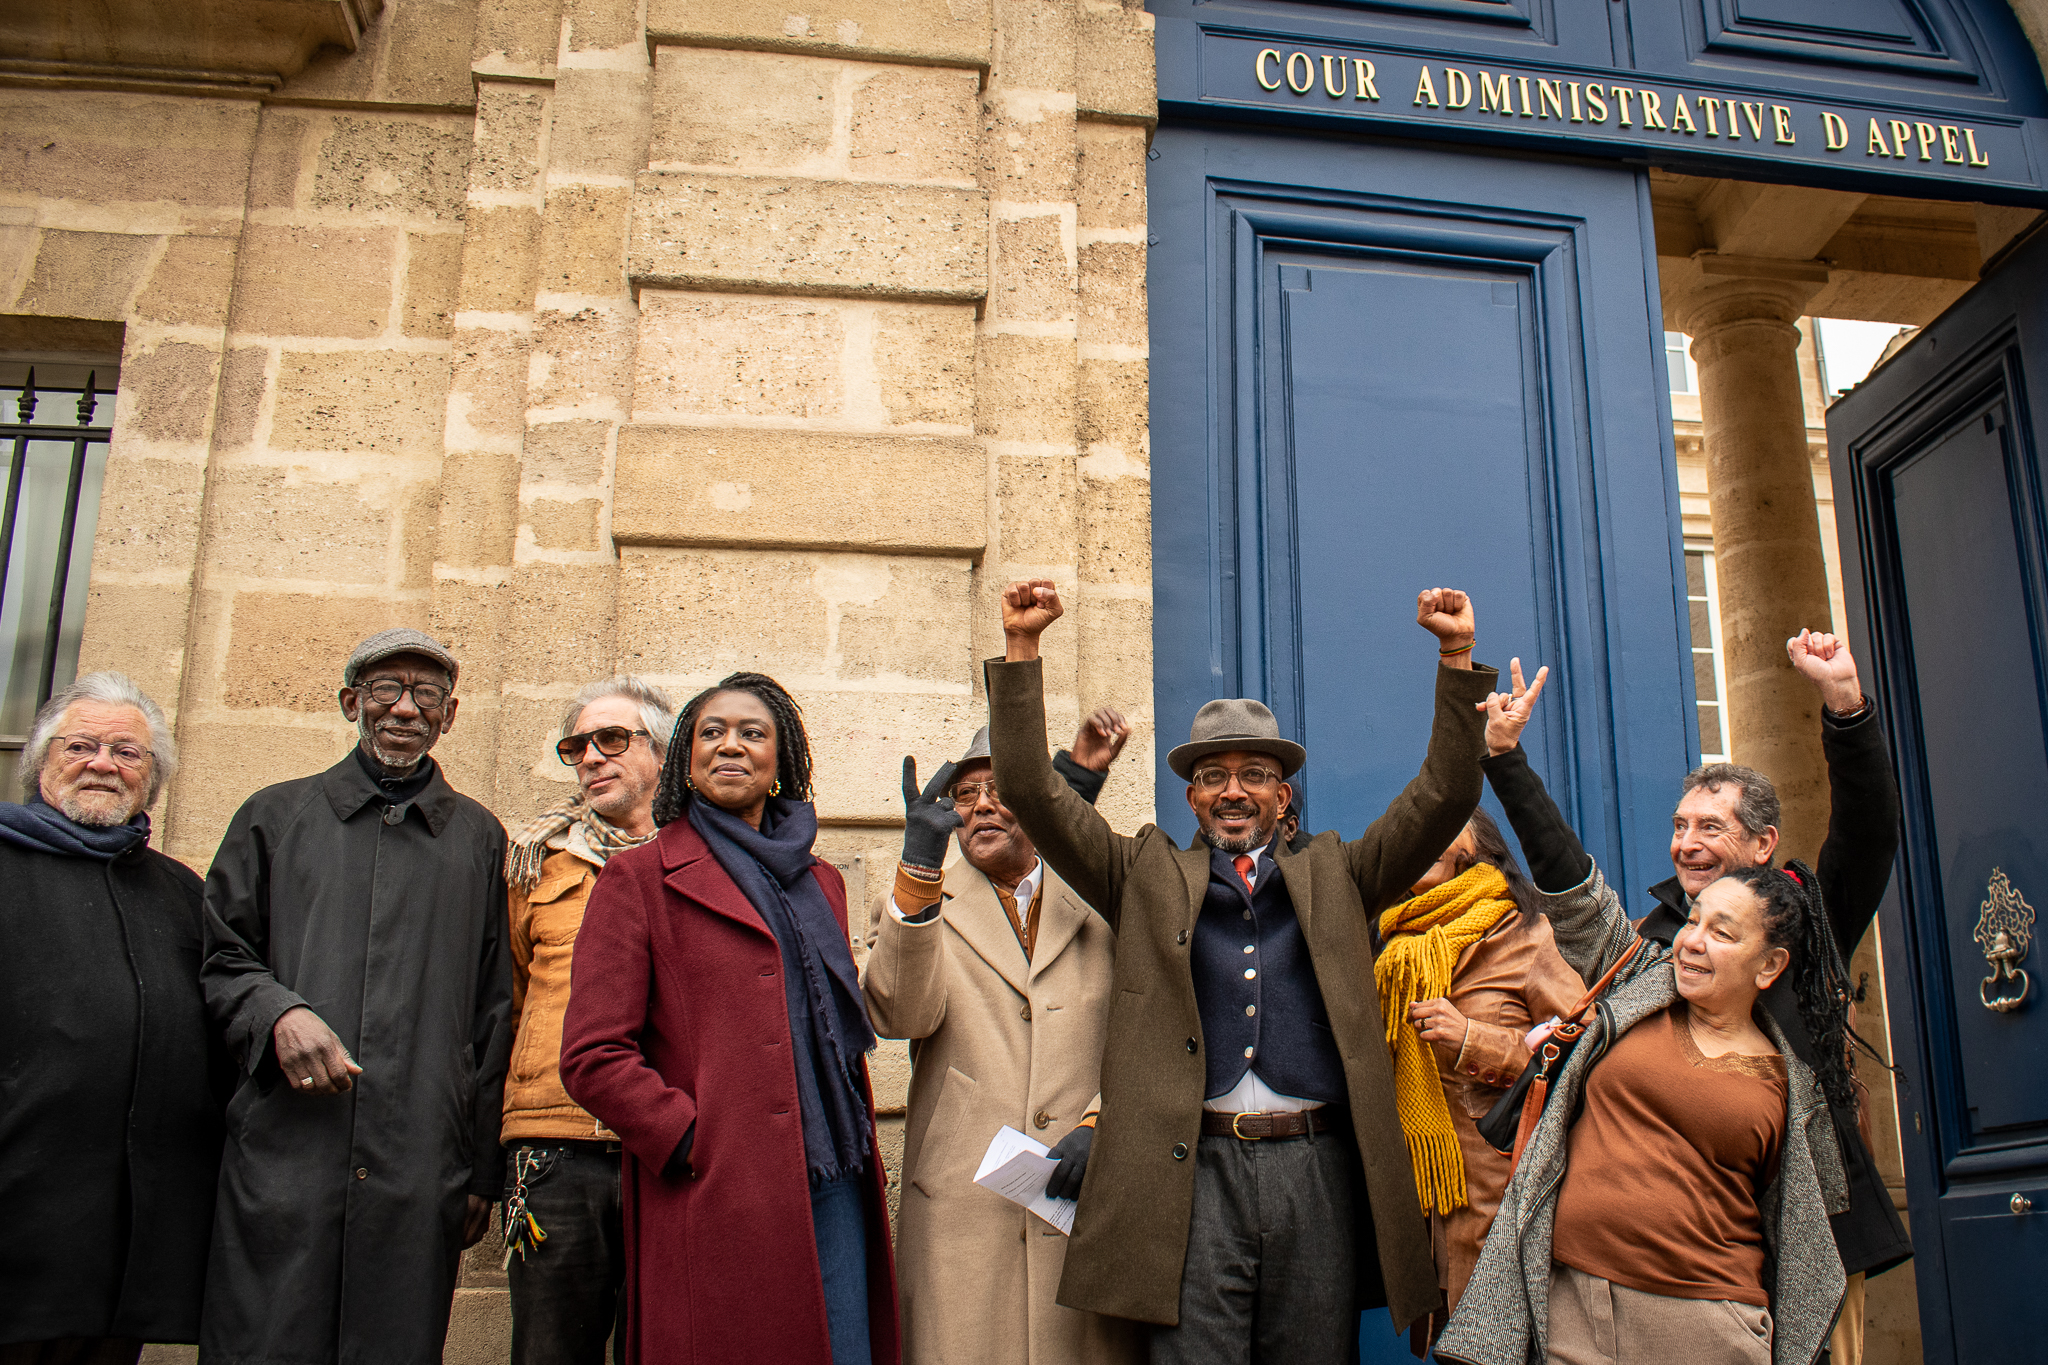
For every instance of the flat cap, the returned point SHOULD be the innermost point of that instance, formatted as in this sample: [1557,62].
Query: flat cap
[398,640]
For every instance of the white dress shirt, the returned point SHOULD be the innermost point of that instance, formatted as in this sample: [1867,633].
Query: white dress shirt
[1251,1094]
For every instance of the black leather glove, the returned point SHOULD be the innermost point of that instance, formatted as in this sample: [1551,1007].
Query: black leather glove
[928,817]
[1072,1153]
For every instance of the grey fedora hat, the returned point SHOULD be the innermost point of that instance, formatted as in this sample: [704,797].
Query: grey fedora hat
[401,640]
[977,752]
[1235,724]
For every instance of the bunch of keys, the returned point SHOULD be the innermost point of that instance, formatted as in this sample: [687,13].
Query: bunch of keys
[522,1230]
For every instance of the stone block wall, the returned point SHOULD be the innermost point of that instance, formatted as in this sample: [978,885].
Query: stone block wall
[673,337]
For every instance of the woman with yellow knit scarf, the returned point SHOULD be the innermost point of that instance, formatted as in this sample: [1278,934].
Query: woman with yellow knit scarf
[1465,970]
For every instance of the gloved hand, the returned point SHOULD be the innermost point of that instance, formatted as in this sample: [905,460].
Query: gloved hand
[1071,1152]
[928,817]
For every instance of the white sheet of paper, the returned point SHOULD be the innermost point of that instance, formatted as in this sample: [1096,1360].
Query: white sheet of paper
[1017,1168]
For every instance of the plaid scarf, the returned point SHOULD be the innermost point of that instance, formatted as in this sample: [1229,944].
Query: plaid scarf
[1434,928]
[528,848]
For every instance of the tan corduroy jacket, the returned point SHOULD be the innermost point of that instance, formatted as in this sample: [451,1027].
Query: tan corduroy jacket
[994,1040]
[544,925]
[1131,1229]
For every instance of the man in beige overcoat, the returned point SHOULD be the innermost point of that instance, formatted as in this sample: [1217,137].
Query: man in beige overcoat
[1249,1188]
[1000,977]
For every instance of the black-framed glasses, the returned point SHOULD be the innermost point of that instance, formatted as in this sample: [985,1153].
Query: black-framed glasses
[1252,779]
[84,748]
[611,741]
[387,691]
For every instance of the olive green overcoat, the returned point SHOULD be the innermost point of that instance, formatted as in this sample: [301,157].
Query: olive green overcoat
[1131,1228]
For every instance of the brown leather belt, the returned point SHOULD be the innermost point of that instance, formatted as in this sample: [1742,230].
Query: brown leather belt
[1257,1125]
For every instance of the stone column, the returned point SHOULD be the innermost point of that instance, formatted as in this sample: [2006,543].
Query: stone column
[1767,546]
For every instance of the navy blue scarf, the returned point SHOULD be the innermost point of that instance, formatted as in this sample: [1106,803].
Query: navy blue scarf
[38,825]
[828,1017]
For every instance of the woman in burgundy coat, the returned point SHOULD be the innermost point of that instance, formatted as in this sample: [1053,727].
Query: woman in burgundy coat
[716,1024]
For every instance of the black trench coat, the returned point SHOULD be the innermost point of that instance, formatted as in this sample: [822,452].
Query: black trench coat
[339,1225]
[109,1099]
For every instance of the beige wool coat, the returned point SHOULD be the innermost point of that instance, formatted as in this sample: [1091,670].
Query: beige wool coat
[994,1040]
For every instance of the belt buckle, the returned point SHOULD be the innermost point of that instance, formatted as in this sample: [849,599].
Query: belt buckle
[1235,1119]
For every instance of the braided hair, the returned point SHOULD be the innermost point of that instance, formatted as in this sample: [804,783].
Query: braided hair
[1795,920]
[792,745]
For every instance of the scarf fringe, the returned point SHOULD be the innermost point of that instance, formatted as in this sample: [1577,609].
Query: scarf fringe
[1436,927]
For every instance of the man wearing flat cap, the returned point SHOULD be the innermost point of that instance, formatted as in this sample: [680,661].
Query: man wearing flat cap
[1249,1189]
[355,959]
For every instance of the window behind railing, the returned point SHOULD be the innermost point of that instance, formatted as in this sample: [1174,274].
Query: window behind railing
[55,422]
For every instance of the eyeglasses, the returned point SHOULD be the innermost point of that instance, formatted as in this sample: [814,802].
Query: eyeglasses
[970,793]
[84,748]
[611,741]
[387,691]
[1252,779]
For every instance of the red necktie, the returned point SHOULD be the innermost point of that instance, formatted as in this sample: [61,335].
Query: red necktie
[1243,863]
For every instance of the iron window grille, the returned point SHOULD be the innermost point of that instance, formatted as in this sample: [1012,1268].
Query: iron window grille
[57,457]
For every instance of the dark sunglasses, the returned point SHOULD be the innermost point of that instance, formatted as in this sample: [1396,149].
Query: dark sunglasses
[611,741]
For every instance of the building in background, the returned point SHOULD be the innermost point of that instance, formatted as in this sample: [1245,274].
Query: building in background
[678,336]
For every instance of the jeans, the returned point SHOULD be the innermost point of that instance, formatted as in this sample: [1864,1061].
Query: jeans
[1271,1274]
[566,1297]
[839,1218]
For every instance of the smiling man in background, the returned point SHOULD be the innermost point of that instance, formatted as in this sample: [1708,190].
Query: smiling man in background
[562,1166]
[355,958]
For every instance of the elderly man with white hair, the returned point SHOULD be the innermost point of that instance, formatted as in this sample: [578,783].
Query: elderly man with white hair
[563,1217]
[110,1130]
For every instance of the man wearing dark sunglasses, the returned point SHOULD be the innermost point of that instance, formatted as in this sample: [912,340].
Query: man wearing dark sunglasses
[562,1212]
[355,959]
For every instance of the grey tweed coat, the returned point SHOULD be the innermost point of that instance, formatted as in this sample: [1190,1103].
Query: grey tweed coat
[1504,1317]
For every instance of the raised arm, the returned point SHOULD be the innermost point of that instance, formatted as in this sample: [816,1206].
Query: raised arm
[1557,860]
[1855,864]
[1426,817]
[1070,835]
[603,1066]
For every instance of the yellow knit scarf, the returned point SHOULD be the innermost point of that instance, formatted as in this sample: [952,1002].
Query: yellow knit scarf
[1434,929]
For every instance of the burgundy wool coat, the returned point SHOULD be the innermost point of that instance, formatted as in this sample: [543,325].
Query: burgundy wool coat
[677,1017]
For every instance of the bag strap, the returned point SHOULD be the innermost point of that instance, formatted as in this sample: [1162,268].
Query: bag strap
[1598,986]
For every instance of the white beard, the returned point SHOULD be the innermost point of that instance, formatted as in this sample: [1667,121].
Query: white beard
[100,809]
[392,763]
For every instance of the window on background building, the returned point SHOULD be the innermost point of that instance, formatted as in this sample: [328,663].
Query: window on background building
[1709,676]
[55,422]
[1685,378]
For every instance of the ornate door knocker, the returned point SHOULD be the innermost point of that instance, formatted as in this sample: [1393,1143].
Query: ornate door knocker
[2005,930]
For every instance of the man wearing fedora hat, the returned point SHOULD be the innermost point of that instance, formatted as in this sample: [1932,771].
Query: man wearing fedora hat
[1001,978]
[1249,1188]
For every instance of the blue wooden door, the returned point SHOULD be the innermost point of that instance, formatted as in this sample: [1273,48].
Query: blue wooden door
[1378,368]
[1946,567]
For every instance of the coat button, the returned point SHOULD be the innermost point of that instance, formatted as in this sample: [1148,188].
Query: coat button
[1193,1045]
[1180,1151]
[1041,1118]
[362,1173]
[1025,1014]
[1181,937]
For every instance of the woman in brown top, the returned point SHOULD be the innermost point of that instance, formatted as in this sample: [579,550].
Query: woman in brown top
[1469,1035]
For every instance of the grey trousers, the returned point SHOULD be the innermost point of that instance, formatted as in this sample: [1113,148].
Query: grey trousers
[1271,1271]
[1597,1322]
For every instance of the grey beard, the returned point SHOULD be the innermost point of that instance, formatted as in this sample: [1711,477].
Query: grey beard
[1242,844]
[77,810]
[391,763]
